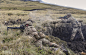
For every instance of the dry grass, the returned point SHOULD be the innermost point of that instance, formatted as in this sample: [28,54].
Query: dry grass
[13,43]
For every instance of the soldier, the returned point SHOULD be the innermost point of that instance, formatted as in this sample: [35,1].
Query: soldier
[75,24]
[40,37]
[30,30]
[41,41]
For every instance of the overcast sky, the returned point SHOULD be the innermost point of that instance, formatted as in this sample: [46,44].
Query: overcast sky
[81,4]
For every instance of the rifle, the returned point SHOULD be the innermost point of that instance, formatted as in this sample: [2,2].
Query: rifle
[21,28]
[65,17]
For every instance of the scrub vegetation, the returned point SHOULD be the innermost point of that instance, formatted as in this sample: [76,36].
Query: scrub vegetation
[13,42]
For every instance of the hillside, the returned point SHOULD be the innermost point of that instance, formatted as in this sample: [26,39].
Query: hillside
[28,5]
[14,43]
[23,8]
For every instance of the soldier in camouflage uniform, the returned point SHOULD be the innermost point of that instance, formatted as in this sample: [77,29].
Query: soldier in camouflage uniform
[30,30]
[75,24]
[40,37]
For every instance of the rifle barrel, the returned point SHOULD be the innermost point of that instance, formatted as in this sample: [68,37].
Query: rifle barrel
[13,28]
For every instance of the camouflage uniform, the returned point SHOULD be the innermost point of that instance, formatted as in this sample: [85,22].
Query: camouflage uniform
[30,30]
[41,41]
[44,42]
[76,26]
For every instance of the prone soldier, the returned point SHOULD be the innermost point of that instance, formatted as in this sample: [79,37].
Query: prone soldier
[40,37]
[30,30]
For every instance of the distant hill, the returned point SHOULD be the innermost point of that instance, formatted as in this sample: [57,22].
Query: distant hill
[29,6]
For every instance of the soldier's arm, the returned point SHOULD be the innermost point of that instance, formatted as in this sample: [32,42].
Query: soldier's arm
[79,23]
[69,19]
[64,19]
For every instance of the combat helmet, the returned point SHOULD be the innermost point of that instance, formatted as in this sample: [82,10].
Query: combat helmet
[68,14]
[28,23]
